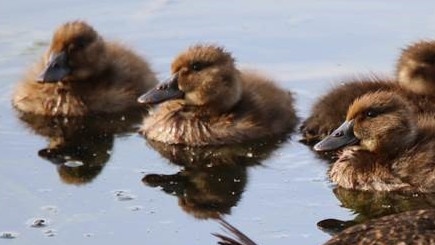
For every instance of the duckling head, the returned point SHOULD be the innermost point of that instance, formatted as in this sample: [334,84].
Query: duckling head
[379,122]
[72,54]
[416,68]
[204,76]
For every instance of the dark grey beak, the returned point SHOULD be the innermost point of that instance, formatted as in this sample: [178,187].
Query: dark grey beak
[165,91]
[342,136]
[56,69]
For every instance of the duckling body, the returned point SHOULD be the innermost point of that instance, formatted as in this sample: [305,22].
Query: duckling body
[213,103]
[387,147]
[82,74]
[412,227]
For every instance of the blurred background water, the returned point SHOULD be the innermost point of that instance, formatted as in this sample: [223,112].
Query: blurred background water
[305,46]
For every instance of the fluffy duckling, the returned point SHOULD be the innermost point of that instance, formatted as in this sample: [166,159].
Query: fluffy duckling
[80,74]
[415,79]
[208,101]
[330,110]
[391,148]
[412,227]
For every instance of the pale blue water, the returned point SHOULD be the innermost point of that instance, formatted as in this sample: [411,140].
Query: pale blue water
[304,46]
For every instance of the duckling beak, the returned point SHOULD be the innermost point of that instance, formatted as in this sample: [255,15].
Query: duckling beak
[165,91]
[342,136]
[56,69]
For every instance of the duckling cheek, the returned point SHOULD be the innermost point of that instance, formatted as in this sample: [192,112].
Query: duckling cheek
[404,75]
[369,144]
[194,99]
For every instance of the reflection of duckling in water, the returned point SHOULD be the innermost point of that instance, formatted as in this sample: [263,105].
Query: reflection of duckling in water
[79,158]
[412,227]
[213,178]
[208,101]
[80,147]
[415,76]
[391,148]
[206,192]
[82,73]
[368,205]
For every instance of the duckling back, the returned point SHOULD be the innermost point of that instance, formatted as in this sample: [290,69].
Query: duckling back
[412,227]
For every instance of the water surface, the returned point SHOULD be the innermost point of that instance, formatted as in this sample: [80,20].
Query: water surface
[306,47]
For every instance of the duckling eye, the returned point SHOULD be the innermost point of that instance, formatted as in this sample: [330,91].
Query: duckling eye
[429,59]
[371,113]
[81,42]
[197,66]
[78,43]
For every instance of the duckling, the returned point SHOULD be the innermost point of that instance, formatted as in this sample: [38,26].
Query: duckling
[415,79]
[387,146]
[208,101]
[83,74]
[412,227]
[330,110]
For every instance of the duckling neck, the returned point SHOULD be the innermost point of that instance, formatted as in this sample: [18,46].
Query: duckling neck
[224,103]
[397,145]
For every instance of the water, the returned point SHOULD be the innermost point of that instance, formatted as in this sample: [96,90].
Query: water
[134,194]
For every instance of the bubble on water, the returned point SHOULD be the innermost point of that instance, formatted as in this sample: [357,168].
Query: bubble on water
[8,235]
[45,190]
[122,195]
[50,208]
[37,222]
[50,233]
[135,208]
